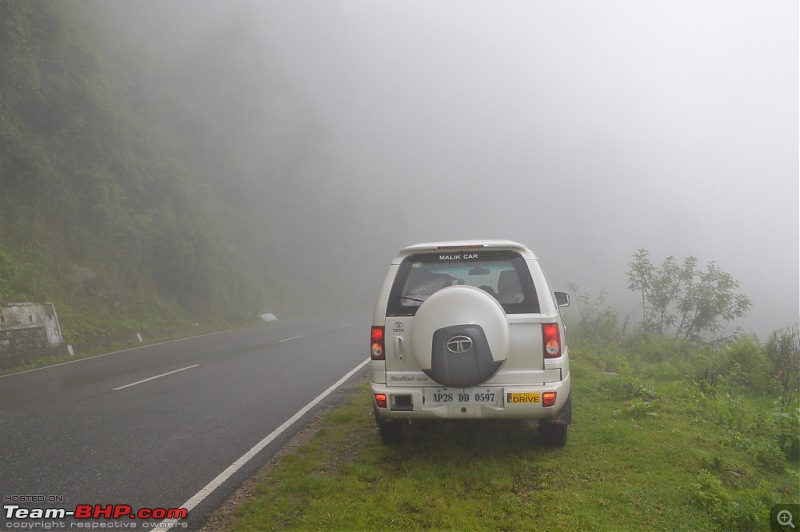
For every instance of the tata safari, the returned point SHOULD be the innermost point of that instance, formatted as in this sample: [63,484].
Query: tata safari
[469,330]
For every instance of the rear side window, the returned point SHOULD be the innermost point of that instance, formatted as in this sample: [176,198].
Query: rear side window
[502,274]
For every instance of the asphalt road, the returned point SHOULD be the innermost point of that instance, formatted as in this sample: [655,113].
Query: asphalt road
[97,431]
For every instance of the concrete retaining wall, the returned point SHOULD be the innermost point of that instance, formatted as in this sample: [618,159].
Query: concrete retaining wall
[25,328]
[28,325]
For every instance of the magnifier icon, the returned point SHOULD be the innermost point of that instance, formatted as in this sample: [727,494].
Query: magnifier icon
[785,518]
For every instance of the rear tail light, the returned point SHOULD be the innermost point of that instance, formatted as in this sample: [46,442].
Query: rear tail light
[548,398]
[376,351]
[380,400]
[551,337]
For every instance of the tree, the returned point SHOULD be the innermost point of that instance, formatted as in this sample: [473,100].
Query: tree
[640,278]
[666,287]
[685,298]
[708,298]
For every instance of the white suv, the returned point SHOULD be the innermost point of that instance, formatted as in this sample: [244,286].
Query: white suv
[466,330]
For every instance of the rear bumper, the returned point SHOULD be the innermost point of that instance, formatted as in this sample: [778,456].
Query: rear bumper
[404,402]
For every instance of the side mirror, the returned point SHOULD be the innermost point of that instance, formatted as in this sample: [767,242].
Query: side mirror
[562,298]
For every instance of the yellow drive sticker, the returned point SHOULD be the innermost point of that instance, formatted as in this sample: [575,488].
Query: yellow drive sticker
[524,397]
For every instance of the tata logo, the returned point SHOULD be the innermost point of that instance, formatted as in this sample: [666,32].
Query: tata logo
[459,344]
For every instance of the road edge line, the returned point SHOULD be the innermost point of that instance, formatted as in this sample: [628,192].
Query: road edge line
[257,448]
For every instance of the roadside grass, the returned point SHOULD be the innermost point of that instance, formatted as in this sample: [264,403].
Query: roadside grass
[641,455]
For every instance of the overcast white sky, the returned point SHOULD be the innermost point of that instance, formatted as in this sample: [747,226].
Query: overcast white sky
[585,129]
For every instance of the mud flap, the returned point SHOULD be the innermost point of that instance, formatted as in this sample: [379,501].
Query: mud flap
[564,416]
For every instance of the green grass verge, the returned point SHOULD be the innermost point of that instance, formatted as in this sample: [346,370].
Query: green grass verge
[640,456]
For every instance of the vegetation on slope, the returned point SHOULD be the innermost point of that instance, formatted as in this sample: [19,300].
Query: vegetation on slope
[133,200]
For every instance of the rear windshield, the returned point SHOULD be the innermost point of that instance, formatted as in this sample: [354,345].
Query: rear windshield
[502,274]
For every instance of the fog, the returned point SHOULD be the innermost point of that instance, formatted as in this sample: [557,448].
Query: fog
[586,130]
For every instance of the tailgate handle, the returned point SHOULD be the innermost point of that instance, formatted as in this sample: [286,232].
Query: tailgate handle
[398,347]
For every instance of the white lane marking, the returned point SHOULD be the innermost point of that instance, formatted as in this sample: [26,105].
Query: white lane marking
[292,338]
[167,524]
[156,377]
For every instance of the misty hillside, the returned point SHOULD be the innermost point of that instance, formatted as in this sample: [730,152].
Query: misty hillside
[144,187]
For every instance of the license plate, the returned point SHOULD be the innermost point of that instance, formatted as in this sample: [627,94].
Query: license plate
[463,396]
[524,398]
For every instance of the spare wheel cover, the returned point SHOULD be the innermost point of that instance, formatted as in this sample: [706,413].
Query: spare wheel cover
[460,336]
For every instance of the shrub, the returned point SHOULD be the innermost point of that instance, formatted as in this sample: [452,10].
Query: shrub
[732,510]
[783,352]
[787,423]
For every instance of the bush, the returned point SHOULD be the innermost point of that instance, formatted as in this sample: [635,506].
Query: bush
[596,322]
[745,364]
[783,352]
[732,510]
[787,422]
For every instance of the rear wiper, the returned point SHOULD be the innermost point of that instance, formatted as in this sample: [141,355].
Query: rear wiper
[412,298]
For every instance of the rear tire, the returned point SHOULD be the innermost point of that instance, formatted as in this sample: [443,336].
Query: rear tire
[554,436]
[392,431]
